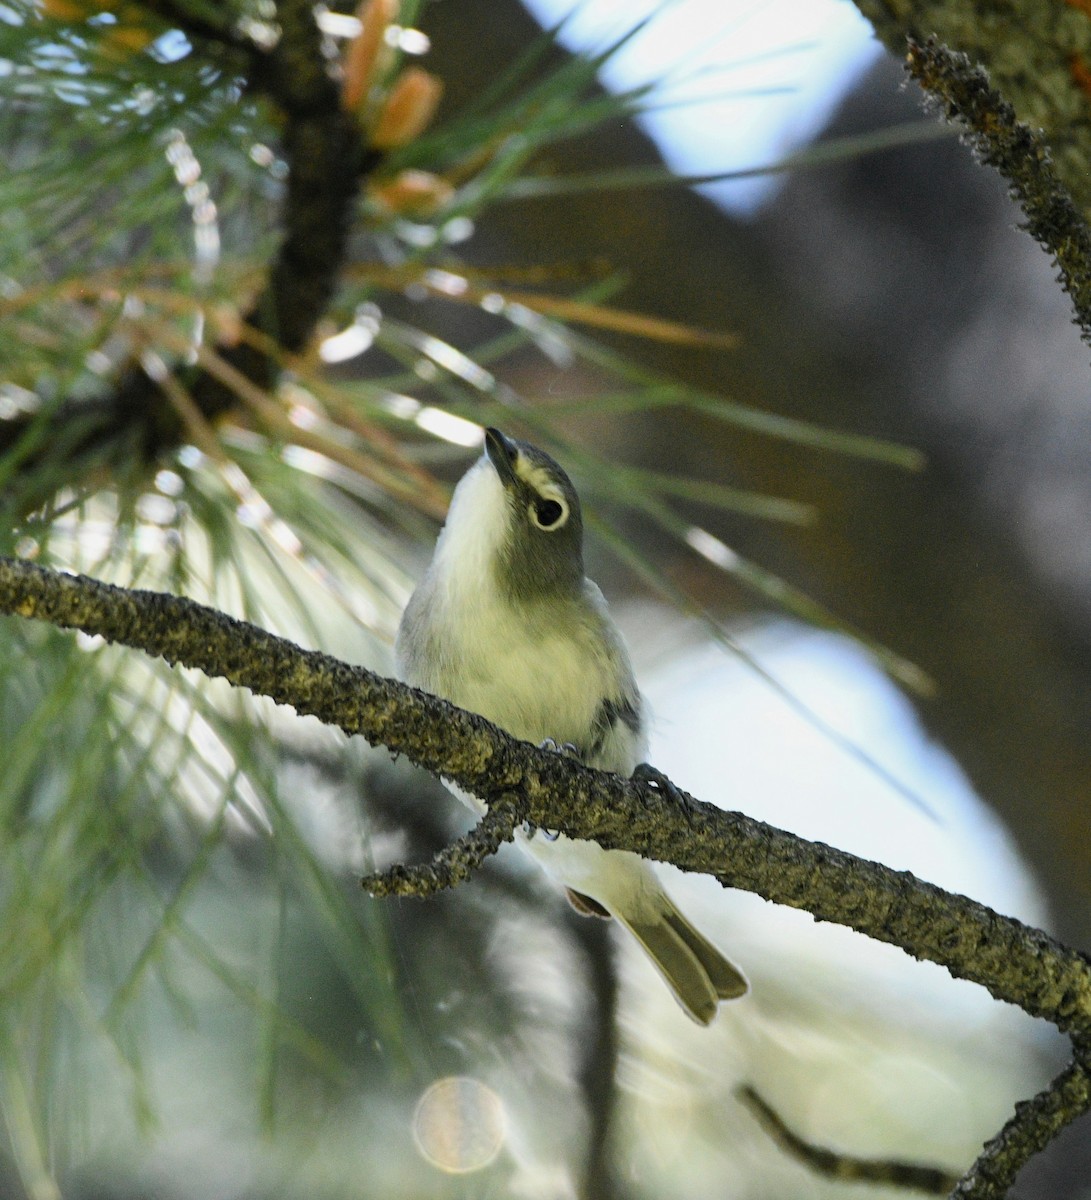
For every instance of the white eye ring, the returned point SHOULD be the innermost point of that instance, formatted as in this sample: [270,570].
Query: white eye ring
[548,512]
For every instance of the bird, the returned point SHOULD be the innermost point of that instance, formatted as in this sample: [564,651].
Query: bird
[505,623]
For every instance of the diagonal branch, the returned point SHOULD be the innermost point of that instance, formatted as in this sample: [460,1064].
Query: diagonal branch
[1016,963]
[844,1167]
[1035,1124]
[1036,53]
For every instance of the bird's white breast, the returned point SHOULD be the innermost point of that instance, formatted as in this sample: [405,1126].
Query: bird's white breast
[532,672]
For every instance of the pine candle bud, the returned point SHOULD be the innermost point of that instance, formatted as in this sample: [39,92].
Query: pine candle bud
[412,192]
[408,110]
[365,50]
[119,41]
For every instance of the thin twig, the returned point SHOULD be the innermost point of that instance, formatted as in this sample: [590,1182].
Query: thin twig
[834,1165]
[454,863]
[598,1049]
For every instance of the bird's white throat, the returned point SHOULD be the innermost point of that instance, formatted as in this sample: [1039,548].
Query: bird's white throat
[476,527]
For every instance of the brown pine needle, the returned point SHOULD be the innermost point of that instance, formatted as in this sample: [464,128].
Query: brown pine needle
[617,320]
[198,429]
[271,414]
[466,286]
[387,446]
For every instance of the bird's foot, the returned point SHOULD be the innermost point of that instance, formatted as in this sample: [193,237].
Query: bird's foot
[569,749]
[652,777]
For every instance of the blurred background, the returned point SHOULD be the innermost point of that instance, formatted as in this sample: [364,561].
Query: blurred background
[195,997]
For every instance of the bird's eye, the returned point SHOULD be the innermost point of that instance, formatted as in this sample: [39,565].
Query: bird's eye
[548,514]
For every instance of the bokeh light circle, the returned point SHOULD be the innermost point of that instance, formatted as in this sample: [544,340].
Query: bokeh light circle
[459,1124]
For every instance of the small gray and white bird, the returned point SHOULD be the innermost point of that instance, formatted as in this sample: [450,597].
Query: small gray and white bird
[506,624]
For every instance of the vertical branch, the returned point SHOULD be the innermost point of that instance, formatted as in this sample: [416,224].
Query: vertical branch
[597,1072]
[326,159]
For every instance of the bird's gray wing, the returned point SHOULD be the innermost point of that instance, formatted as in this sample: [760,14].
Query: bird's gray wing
[616,742]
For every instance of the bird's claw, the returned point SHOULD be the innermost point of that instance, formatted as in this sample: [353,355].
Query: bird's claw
[652,777]
[569,749]
[529,830]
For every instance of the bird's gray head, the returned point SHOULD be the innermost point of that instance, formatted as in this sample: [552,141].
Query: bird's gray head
[515,517]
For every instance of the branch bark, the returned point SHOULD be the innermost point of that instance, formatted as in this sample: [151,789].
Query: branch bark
[1020,155]
[455,863]
[835,1165]
[326,158]
[1035,1124]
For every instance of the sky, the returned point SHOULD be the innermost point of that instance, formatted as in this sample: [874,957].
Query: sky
[743,81]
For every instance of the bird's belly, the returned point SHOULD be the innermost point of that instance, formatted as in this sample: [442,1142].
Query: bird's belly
[549,687]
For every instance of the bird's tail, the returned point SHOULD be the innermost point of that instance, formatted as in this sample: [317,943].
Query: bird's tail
[694,970]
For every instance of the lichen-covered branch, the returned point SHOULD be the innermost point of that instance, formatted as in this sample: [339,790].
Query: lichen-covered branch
[1020,155]
[456,862]
[1037,54]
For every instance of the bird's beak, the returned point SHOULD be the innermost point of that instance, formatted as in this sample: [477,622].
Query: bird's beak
[502,454]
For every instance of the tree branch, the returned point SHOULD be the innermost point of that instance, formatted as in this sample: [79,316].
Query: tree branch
[833,1165]
[1017,152]
[326,160]
[1037,54]
[599,1051]
[1035,1124]
[1016,963]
